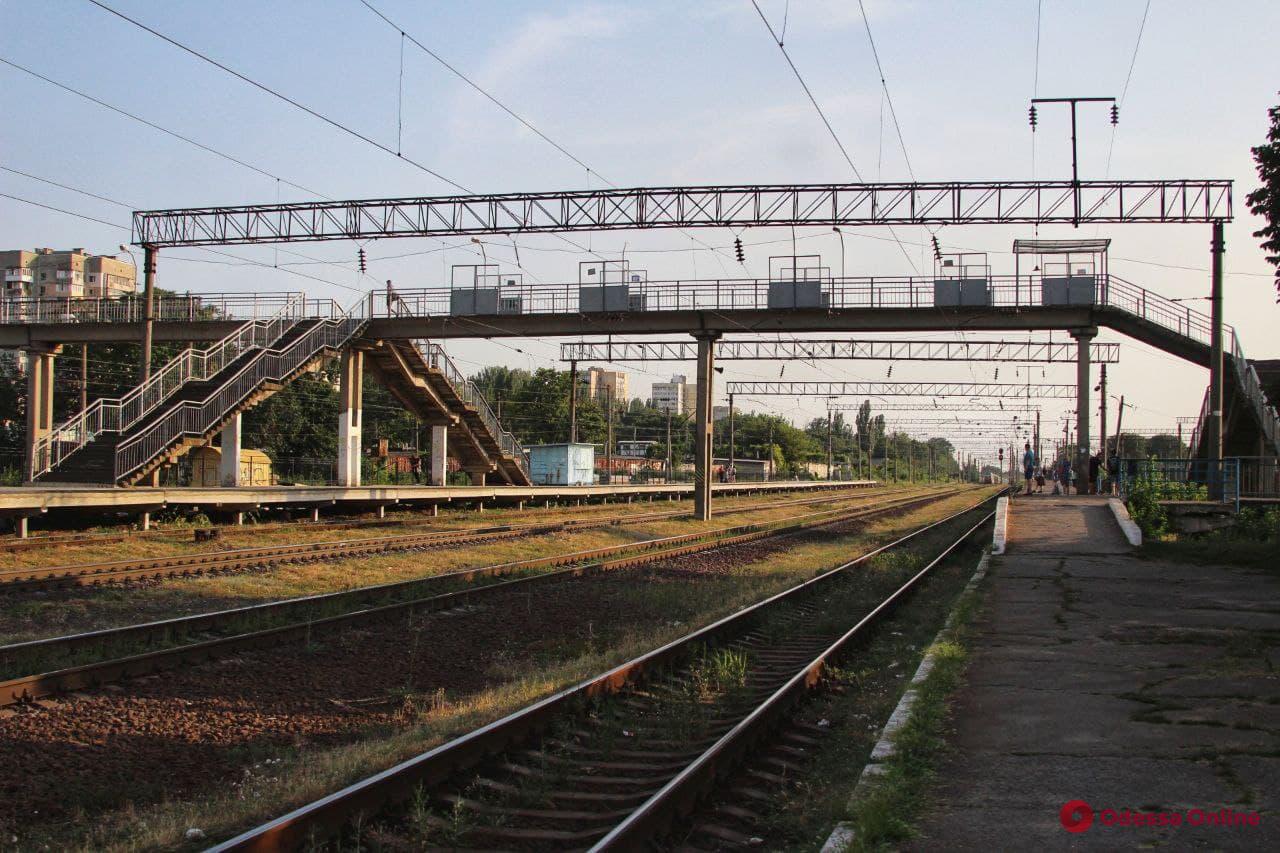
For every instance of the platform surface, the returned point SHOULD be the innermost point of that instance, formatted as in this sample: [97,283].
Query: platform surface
[1126,682]
[37,498]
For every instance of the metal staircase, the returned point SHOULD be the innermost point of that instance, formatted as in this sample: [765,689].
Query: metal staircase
[427,383]
[107,415]
[195,411]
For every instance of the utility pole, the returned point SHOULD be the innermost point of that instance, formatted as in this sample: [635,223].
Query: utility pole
[608,431]
[1119,435]
[733,465]
[829,477]
[770,449]
[668,445]
[84,377]
[1075,161]
[148,307]
[1102,427]
[1213,425]
[573,402]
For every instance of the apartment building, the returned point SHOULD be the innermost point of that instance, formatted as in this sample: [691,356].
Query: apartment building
[601,382]
[70,274]
[676,397]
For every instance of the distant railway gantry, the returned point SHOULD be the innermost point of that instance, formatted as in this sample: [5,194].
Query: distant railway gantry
[812,350]
[902,389]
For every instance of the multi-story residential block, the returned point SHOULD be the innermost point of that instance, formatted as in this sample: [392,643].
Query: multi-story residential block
[601,382]
[671,396]
[19,272]
[72,273]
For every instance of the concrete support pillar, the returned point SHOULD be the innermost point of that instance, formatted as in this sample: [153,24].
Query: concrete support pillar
[703,452]
[435,510]
[350,417]
[479,506]
[519,506]
[382,511]
[229,464]
[145,521]
[20,527]
[1084,338]
[439,455]
[239,517]
[315,513]
[39,405]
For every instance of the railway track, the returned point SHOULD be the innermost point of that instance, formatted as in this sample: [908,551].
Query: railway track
[614,761]
[194,639]
[13,544]
[259,558]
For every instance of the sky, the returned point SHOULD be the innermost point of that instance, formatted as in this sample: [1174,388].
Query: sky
[647,94]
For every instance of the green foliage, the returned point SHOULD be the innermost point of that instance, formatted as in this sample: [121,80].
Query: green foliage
[1151,488]
[1265,200]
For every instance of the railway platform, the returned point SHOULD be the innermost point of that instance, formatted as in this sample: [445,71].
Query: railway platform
[1139,691]
[21,503]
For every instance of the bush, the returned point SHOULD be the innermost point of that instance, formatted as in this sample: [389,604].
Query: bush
[1152,487]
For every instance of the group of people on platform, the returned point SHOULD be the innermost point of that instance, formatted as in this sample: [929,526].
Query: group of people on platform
[1063,478]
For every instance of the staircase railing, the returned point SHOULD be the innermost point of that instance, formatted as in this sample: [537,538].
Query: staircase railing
[198,417]
[1181,319]
[118,414]
[467,390]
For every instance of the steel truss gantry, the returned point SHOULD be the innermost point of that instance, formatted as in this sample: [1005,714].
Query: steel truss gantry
[812,350]
[853,204]
[925,408]
[901,389]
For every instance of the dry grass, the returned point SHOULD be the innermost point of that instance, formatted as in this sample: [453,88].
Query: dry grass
[38,616]
[178,540]
[297,776]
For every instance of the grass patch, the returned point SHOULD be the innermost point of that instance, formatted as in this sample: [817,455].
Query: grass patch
[886,814]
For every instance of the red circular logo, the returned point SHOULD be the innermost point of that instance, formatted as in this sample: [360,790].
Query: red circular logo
[1076,816]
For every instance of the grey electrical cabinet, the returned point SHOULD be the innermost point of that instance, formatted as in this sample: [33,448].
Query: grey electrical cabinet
[795,294]
[961,292]
[1068,290]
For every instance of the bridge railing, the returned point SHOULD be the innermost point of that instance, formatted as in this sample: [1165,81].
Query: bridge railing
[198,417]
[191,307]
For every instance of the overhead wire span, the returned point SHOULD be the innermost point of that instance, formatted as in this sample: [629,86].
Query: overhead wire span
[281,96]
[134,117]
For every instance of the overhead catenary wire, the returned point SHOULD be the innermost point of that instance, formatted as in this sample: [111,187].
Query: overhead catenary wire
[281,96]
[167,131]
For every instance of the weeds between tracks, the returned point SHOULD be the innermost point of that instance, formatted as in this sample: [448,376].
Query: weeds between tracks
[301,772]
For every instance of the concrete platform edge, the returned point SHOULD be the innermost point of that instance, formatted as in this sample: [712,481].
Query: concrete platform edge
[1131,530]
[1000,535]
[842,835]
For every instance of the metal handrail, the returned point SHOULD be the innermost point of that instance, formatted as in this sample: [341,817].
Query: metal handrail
[470,394]
[198,417]
[191,365]
[26,310]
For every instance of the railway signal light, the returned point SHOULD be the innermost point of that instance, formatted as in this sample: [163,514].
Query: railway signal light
[360,260]
[737,249]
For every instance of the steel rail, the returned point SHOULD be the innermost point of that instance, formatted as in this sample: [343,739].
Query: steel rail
[34,686]
[50,540]
[329,814]
[678,796]
[181,565]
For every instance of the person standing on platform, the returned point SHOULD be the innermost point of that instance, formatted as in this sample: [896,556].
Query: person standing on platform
[1028,465]
[1095,469]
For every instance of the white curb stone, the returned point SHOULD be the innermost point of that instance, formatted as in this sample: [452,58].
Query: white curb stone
[1132,531]
[1001,532]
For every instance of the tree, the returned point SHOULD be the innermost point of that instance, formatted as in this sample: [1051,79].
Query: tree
[1265,201]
